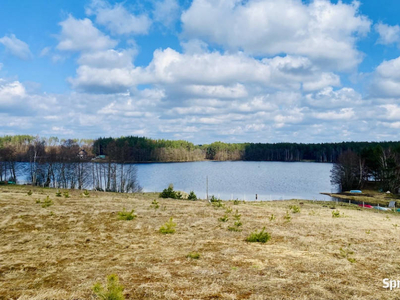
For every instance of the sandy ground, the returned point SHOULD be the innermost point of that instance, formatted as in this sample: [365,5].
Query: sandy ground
[59,252]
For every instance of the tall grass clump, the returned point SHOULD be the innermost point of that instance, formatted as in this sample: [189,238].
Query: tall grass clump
[112,291]
[126,215]
[259,237]
[168,227]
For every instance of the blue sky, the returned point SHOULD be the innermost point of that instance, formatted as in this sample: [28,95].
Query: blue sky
[202,70]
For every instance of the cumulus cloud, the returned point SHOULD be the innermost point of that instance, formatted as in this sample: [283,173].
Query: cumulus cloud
[81,35]
[118,19]
[386,79]
[388,34]
[330,98]
[10,92]
[323,31]
[16,47]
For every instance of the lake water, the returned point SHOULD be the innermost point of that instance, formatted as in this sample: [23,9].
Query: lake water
[241,179]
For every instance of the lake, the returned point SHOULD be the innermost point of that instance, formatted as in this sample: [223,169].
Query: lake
[241,179]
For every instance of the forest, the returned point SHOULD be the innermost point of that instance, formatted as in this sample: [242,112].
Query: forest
[74,163]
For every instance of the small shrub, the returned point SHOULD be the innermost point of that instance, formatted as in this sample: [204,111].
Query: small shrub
[259,237]
[295,209]
[237,216]
[237,224]
[126,215]
[192,196]
[272,217]
[336,214]
[312,213]
[214,199]
[58,194]
[86,193]
[66,194]
[46,202]
[193,255]
[113,290]
[395,225]
[155,204]
[168,227]
[225,218]
[29,193]
[217,204]
[236,202]
[170,193]
[287,217]
[228,210]
[346,253]
[368,232]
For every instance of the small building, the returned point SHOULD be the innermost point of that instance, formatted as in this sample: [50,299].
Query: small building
[82,154]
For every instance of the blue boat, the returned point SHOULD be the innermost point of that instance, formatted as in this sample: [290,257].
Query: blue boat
[355,191]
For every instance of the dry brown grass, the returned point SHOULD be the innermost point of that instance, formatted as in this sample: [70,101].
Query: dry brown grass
[59,252]
[369,197]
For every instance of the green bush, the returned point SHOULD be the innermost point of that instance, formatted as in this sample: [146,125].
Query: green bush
[336,214]
[295,208]
[193,255]
[192,196]
[214,199]
[66,194]
[155,204]
[259,237]
[287,217]
[168,227]
[58,194]
[30,193]
[170,193]
[86,193]
[236,202]
[237,224]
[225,218]
[46,202]
[126,215]
[113,290]
[272,217]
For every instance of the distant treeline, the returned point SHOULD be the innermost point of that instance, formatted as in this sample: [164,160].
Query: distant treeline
[141,149]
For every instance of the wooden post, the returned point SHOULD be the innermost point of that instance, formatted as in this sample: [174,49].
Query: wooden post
[207,187]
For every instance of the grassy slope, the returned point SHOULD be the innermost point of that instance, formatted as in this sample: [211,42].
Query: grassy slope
[59,252]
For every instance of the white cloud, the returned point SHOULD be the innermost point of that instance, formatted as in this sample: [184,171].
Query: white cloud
[166,12]
[112,71]
[16,47]
[323,31]
[342,114]
[81,35]
[386,79]
[117,19]
[330,98]
[388,34]
[10,92]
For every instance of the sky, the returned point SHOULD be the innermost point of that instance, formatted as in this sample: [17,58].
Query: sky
[201,70]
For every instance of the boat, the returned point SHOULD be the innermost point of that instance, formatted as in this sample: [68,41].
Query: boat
[355,192]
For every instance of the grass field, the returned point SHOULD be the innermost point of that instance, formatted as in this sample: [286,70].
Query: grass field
[61,250]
